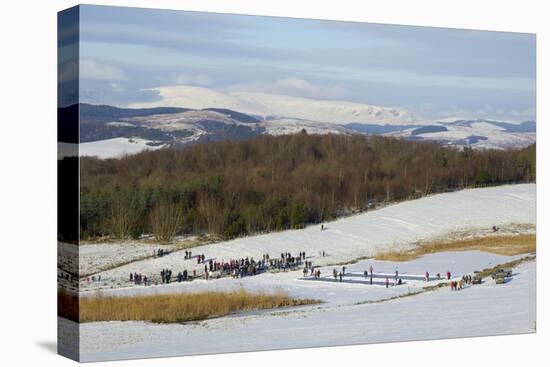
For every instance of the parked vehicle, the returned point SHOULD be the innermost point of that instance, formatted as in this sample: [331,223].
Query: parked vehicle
[501,273]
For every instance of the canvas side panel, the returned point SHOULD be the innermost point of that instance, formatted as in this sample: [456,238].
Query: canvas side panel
[68,338]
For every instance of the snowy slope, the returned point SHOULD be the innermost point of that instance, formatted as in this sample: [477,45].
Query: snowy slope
[199,98]
[287,126]
[264,104]
[182,128]
[479,134]
[281,115]
[181,121]
[486,309]
[198,123]
[347,314]
[115,148]
[396,226]
[327,110]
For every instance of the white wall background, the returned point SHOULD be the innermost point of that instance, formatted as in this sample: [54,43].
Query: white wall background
[28,180]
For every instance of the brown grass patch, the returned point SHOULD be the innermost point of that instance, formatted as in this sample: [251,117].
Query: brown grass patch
[181,307]
[502,245]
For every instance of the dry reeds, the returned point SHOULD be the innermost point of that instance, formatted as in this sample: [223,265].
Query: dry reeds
[180,307]
[502,245]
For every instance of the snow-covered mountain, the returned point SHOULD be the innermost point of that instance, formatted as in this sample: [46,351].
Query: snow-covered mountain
[287,126]
[109,131]
[481,134]
[263,104]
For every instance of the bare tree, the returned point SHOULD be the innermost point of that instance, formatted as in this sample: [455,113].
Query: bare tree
[167,219]
[123,218]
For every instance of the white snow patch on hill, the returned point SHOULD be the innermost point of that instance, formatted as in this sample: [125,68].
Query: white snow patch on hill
[287,126]
[181,121]
[115,148]
[264,104]
[490,136]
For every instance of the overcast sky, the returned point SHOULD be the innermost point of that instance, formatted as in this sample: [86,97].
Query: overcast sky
[432,72]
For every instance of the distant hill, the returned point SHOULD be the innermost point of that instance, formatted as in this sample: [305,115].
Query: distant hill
[269,104]
[103,113]
[176,127]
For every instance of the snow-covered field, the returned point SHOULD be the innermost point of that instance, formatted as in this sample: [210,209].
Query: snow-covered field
[94,257]
[352,311]
[346,318]
[394,227]
[115,148]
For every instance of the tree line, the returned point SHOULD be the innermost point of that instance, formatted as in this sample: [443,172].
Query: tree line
[234,188]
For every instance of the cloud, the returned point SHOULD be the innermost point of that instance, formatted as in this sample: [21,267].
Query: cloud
[434,72]
[92,69]
[199,79]
[117,88]
[292,86]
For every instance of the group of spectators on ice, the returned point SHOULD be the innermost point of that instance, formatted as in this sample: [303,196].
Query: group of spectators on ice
[237,268]
[457,285]
[160,252]
[139,279]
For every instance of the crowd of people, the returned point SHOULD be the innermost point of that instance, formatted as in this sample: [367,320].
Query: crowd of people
[92,278]
[248,266]
[237,268]
[166,275]
[139,279]
[457,285]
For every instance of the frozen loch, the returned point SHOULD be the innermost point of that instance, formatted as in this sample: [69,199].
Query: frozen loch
[351,311]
